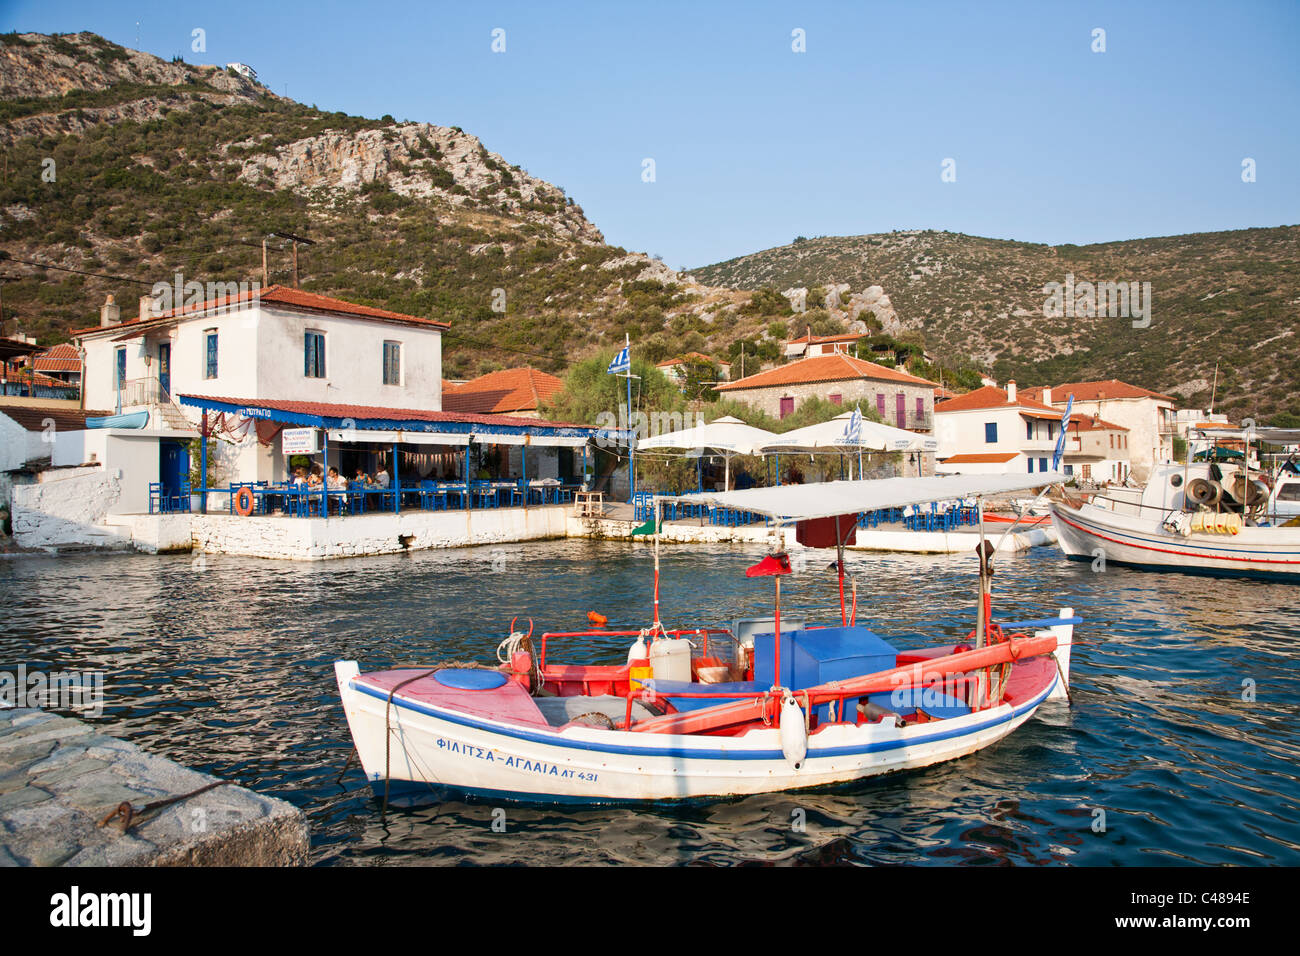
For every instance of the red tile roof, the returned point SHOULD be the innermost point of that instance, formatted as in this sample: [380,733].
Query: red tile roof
[1093,391]
[38,419]
[1087,423]
[273,295]
[509,390]
[809,339]
[999,458]
[990,397]
[372,412]
[683,359]
[63,357]
[823,368]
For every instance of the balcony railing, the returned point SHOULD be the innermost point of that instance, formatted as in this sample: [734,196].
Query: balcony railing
[142,391]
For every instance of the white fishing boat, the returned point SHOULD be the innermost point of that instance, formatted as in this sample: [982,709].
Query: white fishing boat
[755,706]
[1220,518]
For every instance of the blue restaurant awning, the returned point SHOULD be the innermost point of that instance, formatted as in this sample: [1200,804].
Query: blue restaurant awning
[391,424]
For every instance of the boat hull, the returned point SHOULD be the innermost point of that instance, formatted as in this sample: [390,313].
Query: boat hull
[1090,533]
[432,751]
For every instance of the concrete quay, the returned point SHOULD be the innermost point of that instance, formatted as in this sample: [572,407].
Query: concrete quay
[59,778]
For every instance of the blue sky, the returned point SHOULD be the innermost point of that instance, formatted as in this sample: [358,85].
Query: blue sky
[754,143]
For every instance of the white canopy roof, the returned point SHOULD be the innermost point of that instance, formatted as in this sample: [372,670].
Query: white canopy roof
[1275,436]
[826,499]
[831,436]
[725,436]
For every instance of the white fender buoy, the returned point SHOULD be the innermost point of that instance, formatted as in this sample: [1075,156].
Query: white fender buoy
[794,734]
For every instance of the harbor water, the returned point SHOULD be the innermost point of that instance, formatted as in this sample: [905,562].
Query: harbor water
[1181,746]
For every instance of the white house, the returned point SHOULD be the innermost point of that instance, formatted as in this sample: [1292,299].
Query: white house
[1096,450]
[991,431]
[1149,416]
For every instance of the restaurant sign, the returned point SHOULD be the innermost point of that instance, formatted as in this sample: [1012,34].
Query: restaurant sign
[300,441]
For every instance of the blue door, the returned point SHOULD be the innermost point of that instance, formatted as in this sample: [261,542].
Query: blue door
[165,367]
[173,471]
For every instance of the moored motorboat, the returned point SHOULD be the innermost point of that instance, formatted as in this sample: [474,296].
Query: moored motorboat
[1201,517]
[703,712]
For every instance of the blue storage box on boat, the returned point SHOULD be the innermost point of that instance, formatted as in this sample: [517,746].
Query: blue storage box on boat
[672,689]
[814,656]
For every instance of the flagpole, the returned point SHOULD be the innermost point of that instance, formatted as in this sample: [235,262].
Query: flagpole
[631,442]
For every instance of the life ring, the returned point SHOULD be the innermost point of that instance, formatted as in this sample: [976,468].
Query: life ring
[244,502]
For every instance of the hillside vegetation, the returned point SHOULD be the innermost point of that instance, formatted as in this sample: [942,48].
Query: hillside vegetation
[1229,298]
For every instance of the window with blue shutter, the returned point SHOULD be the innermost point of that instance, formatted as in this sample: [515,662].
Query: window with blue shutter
[1042,464]
[210,363]
[121,367]
[313,355]
[1030,462]
[991,433]
[392,363]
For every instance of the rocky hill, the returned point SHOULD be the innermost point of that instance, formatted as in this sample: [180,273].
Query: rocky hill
[1226,298]
[122,169]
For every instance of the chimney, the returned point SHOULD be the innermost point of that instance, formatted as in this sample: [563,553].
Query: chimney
[1011,390]
[1047,394]
[146,307]
[109,313]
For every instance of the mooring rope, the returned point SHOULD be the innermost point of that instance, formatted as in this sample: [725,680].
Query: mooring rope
[130,815]
[388,734]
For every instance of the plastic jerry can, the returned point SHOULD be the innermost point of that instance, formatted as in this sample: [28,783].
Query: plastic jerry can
[671,659]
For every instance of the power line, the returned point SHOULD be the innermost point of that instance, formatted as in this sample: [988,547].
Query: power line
[80,272]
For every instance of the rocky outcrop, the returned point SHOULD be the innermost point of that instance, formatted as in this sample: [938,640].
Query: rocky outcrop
[417,160]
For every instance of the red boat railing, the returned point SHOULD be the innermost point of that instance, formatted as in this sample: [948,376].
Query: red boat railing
[702,632]
[908,675]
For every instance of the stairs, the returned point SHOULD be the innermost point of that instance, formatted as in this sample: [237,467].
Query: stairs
[168,415]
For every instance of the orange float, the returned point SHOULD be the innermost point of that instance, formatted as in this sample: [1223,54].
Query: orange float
[244,502]
[597,619]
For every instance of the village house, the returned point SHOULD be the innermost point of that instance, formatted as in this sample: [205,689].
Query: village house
[241,389]
[810,346]
[902,400]
[1096,450]
[991,431]
[1149,416]
[675,368]
[61,362]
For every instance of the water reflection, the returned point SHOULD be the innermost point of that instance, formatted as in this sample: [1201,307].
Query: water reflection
[226,665]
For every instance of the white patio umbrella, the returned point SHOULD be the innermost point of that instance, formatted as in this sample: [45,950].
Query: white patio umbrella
[724,436]
[842,435]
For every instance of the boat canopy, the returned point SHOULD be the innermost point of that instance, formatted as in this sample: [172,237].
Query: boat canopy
[1274,436]
[827,499]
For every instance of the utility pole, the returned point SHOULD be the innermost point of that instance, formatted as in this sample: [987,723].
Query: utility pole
[265,282]
[295,240]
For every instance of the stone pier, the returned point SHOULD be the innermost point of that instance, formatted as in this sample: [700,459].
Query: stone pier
[59,777]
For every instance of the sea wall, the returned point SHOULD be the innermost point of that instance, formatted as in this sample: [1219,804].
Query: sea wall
[59,778]
[311,539]
[67,508]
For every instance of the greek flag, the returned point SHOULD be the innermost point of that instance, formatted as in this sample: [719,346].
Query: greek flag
[853,430]
[622,362]
[1065,430]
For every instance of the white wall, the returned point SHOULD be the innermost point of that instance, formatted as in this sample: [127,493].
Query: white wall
[18,445]
[260,356]
[962,433]
[66,508]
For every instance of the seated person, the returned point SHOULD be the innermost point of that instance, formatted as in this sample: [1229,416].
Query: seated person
[382,478]
[336,481]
